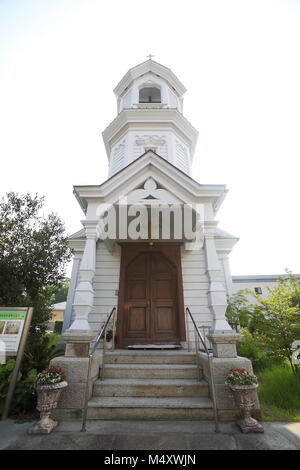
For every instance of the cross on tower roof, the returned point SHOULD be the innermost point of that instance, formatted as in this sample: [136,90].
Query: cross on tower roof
[150,56]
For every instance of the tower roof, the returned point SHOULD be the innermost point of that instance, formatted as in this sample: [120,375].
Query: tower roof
[154,67]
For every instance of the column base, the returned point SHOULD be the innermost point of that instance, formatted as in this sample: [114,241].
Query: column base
[224,343]
[78,342]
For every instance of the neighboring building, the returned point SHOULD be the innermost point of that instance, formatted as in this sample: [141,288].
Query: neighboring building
[258,283]
[57,317]
[150,267]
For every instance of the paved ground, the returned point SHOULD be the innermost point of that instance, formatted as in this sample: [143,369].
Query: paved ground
[150,435]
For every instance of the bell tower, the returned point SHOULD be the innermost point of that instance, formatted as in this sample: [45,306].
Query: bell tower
[150,117]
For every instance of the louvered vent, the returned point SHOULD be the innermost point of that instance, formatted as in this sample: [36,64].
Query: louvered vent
[182,158]
[118,158]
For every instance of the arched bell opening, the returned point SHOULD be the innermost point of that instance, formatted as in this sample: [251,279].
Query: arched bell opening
[149,95]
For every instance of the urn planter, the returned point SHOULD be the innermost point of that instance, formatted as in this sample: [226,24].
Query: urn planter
[245,398]
[47,399]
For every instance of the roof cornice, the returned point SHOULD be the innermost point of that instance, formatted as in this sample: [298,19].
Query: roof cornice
[160,117]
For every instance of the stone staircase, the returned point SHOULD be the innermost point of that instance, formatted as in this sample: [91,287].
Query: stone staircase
[150,385]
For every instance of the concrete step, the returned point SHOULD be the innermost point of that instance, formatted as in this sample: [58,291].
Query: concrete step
[151,371]
[150,388]
[150,408]
[149,357]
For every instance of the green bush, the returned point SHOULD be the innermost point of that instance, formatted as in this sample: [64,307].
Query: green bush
[58,327]
[250,347]
[279,393]
[40,350]
[37,356]
[24,396]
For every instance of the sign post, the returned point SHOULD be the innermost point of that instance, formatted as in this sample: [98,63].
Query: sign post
[14,327]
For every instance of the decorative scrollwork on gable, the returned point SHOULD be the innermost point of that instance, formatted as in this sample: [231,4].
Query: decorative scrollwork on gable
[151,194]
[150,140]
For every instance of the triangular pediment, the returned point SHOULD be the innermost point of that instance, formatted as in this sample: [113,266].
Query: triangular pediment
[152,176]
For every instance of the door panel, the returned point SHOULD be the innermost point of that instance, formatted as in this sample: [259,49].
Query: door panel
[149,298]
[165,320]
[137,321]
[163,289]
[137,289]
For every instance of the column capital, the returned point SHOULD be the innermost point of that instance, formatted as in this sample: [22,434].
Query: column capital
[223,255]
[210,228]
[92,230]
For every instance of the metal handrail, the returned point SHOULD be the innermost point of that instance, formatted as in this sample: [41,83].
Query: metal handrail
[210,367]
[91,355]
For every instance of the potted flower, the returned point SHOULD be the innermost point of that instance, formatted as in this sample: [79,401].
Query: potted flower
[49,385]
[109,338]
[243,385]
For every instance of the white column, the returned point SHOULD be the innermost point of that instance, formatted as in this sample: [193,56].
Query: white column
[80,329]
[216,293]
[71,291]
[227,273]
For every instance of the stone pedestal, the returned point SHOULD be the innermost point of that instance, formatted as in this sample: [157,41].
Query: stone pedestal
[224,343]
[225,358]
[78,342]
[71,401]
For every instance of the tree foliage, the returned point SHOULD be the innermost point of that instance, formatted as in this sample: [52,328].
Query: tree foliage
[62,291]
[276,320]
[271,325]
[239,308]
[33,255]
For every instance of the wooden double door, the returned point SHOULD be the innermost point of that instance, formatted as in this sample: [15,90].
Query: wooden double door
[150,297]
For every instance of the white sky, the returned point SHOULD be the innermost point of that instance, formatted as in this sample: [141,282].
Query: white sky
[239,60]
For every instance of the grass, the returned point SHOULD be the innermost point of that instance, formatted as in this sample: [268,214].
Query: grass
[279,393]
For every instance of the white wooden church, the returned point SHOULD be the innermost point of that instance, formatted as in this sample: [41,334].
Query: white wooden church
[150,277]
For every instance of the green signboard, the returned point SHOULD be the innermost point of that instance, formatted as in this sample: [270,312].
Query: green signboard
[13,314]
[12,322]
[14,327]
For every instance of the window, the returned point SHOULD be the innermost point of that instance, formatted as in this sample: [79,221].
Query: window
[257,290]
[149,95]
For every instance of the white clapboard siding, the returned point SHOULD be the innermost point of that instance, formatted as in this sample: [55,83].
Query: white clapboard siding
[193,271]
[194,294]
[111,271]
[104,278]
[195,287]
[105,284]
[195,278]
